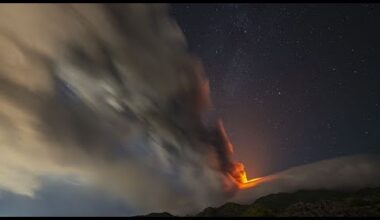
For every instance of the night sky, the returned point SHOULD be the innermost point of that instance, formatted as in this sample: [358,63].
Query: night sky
[293,83]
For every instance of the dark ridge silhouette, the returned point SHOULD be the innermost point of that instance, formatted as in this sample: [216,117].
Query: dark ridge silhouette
[304,203]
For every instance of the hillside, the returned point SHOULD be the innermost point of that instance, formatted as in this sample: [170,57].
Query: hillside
[362,203]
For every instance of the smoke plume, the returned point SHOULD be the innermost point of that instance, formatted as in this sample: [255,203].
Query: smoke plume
[109,96]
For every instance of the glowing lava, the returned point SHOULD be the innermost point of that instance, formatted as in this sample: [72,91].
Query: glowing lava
[239,177]
[237,172]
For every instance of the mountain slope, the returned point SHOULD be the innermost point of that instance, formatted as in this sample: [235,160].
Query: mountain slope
[310,203]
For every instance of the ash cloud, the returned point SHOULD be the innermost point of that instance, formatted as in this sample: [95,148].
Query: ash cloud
[107,95]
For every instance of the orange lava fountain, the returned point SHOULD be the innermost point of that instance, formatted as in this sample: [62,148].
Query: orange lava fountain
[239,177]
[237,174]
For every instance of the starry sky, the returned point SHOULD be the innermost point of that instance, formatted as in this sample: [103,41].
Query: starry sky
[293,83]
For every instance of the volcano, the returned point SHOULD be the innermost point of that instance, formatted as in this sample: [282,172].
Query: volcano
[305,203]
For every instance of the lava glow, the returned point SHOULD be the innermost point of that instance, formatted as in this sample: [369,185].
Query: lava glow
[237,174]
[239,177]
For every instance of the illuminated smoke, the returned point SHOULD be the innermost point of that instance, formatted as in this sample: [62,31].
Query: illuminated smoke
[109,96]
